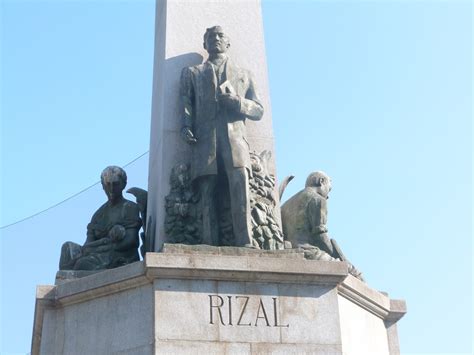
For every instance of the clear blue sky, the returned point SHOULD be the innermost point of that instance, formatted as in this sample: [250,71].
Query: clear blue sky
[376,93]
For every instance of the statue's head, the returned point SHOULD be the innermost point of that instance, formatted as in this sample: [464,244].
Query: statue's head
[114,180]
[320,181]
[215,40]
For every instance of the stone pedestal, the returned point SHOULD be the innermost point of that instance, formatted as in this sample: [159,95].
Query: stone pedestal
[180,26]
[216,301]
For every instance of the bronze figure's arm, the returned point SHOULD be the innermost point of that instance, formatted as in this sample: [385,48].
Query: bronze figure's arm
[250,106]
[316,217]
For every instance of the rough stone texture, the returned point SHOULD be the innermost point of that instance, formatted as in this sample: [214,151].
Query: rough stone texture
[392,334]
[163,305]
[397,309]
[117,323]
[63,276]
[308,310]
[180,25]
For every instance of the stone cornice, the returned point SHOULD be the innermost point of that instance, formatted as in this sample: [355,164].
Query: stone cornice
[371,300]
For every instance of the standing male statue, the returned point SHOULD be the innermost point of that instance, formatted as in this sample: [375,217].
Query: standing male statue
[217,98]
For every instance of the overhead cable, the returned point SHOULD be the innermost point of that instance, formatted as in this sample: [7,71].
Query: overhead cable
[68,198]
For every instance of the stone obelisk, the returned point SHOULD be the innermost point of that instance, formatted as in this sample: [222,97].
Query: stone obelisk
[180,25]
[211,300]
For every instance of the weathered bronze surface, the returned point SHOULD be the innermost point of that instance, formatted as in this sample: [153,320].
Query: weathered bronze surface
[266,231]
[304,219]
[112,235]
[217,98]
[183,214]
[181,218]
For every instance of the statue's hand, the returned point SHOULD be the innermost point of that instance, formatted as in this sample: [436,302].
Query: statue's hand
[99,245]
[230,101]
[188,135]
[117,233]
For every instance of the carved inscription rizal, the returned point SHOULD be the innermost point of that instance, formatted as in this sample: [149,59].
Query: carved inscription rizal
[240,311]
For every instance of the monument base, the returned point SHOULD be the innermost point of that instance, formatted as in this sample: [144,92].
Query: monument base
[196,299]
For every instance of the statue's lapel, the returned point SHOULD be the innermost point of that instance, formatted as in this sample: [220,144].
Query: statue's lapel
[232,75]
[229,71]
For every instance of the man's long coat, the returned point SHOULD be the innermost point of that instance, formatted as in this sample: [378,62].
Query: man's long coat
[217,127]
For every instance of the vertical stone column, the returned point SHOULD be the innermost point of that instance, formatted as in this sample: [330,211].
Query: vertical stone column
[180,26]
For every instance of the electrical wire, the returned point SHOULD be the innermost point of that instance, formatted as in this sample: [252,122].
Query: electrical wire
[68,198]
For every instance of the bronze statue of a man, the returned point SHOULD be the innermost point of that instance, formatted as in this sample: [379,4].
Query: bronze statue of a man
[217,99]
[112,235]
[304,216]
[304,219]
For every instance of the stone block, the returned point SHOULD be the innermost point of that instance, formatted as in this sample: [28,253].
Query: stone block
[216,301]
[362,332]
[180,26]
[116,323]
[201,347]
